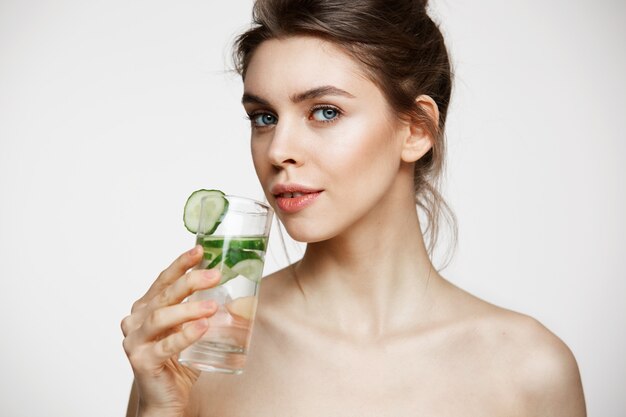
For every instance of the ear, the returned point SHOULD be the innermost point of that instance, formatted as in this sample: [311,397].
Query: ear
[419,141]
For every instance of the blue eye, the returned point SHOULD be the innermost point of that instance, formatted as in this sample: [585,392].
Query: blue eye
[263,119]
[325,114]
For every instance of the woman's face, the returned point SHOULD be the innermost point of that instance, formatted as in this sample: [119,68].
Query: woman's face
[325,144]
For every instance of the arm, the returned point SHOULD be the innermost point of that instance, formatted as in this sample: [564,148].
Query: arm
[133,402]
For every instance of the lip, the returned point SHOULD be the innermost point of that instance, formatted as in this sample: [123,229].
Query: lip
[294,204]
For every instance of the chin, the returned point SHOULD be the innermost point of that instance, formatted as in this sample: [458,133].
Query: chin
[306,232]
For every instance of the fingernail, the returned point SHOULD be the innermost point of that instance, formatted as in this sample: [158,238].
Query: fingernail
[209,274]
[193,251]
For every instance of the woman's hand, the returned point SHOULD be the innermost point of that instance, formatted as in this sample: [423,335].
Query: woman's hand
[159,327]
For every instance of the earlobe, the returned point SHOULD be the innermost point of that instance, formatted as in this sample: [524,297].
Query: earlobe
[419,141]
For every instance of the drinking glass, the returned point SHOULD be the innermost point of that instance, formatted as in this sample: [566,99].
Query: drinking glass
[237,248]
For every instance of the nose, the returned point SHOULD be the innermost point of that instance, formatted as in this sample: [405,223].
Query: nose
[286,146]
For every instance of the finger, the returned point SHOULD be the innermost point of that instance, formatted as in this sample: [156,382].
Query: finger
[176,269]
[187,284]
[200,279]
[192,281]
[163,320]
[127,325]
[177,342]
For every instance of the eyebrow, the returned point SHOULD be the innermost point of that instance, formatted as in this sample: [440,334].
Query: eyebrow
[317,92]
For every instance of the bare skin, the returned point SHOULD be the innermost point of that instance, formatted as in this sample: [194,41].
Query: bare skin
[466,358]
[363,325]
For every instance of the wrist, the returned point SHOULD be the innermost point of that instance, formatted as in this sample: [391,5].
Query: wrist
[158,413]
[153,412]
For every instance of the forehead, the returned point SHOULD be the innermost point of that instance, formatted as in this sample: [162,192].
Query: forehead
[298,63]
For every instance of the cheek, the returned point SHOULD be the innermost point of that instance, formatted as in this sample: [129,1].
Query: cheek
[258,157]
[265,171]
[368,153]
[261,165]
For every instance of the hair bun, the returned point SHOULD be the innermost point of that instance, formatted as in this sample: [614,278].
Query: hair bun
[422,3]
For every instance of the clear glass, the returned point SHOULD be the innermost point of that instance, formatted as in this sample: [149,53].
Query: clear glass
[237,248]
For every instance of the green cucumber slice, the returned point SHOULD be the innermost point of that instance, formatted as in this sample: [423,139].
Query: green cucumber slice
[213,214]
[234,262]
[211,253]
[234,256]
[216,261]
[249,268]
[250,243]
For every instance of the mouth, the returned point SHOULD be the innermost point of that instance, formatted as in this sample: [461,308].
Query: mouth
[293,198]
[291,195]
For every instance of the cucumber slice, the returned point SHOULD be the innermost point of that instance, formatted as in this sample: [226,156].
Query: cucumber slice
[251,243]
[211,253]
[249,268]
[227,261]
[216,261]
[214,214]
[234,256]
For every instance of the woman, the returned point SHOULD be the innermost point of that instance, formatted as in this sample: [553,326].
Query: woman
[347,102]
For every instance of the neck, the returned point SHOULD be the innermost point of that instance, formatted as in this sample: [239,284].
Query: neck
[372,279]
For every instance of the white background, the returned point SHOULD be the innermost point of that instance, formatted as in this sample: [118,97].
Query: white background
[112,112]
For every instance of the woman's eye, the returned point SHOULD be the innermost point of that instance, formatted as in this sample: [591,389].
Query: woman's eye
[263,119]
[325,114]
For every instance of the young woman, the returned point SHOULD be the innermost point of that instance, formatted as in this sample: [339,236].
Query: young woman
[347,101]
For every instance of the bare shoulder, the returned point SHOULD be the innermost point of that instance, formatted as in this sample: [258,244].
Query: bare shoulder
[273,288]
[545,367]
[541,366]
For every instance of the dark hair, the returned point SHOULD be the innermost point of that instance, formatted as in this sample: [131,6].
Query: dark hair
[401,50]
